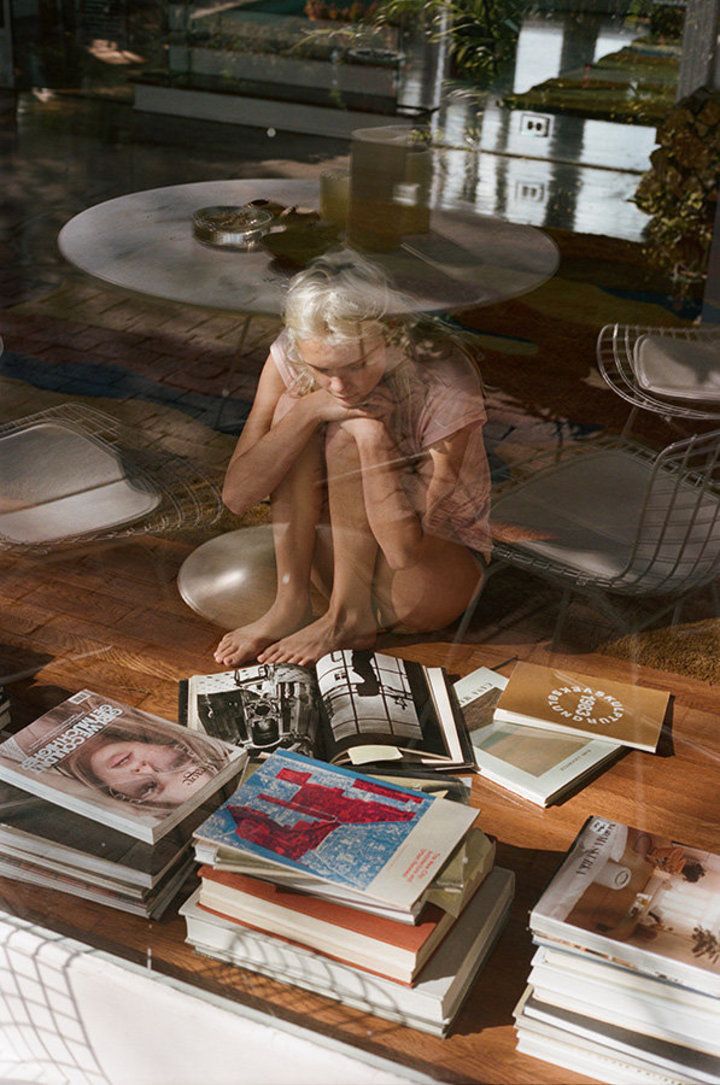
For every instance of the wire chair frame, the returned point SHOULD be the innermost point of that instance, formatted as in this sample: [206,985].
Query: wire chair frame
[676,547]
[189,496]
[615,356]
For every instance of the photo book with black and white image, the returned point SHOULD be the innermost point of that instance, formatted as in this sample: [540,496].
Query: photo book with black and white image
[353,708]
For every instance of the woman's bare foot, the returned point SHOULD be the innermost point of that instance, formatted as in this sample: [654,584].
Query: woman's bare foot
[249,641]
[329,633]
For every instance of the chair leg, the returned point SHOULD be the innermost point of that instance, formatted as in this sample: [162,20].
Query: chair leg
[562,614]
[225,393]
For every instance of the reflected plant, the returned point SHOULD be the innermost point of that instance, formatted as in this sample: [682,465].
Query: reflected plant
[481,35]
[706,944]
[679,192]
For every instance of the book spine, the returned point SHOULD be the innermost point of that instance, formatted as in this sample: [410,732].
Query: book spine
[182,716]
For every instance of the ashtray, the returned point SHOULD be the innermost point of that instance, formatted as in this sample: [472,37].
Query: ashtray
[231,227]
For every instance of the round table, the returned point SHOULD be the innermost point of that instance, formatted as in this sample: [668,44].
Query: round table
[144,242]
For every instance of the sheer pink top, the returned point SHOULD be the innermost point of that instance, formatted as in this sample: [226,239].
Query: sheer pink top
[438,392]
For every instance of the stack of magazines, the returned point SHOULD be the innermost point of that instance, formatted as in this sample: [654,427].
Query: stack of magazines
[351,886]
[99,800]
[626,978]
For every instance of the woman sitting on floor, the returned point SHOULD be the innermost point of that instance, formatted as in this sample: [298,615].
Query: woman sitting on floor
[367,432]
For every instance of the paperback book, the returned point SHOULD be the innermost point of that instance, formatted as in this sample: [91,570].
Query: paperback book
[354,707]
[540,765]
[381,842]
[577,704]
[118,765]
[431,1004]
[624,1049]
[640,900]
[361,938]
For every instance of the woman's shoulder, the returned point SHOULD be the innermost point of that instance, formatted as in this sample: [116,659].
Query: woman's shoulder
[445,363]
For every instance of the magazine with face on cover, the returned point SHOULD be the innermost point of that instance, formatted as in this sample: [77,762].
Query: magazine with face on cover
[354,707]
[640,900]
[540,765]
[118,765]
[382,841]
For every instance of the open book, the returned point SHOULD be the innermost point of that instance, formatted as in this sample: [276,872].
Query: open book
[353,707]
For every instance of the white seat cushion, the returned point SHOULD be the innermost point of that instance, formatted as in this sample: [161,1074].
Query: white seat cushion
[585,515]
[678,368]
[56,483]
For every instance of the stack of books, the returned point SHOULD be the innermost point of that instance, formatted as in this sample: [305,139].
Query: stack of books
[625,982]
[100,800]
[350,886]
[545,732]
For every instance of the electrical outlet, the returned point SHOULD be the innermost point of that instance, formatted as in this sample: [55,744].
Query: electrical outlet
[535,124]
[530,191]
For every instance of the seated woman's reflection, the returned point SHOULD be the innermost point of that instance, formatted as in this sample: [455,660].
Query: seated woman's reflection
[367,433]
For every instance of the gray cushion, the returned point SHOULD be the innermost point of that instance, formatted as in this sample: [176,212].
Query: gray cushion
[586,514]
[678,368]
[56,483]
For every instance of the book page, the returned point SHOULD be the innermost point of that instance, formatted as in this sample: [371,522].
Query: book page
[260,709]
[373,699]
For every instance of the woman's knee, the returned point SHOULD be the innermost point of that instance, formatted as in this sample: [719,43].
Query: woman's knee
[427,598]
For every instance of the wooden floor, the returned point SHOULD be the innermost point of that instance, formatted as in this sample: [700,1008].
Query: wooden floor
[109,618]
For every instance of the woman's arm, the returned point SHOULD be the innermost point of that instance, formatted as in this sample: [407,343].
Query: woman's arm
[394,522]
[265,452]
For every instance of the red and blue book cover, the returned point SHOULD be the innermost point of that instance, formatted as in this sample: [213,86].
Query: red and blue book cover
[340,826]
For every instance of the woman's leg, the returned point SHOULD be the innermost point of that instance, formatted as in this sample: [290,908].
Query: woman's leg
[366,594]
[296,506]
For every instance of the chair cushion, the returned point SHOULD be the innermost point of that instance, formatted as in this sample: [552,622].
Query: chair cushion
[57,483]
[678,368]
[584,515]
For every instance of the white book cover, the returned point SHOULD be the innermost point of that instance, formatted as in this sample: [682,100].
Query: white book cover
[385,842]
[624,1043]
[539,765]
[430,1004]
[588,966]
[607,1002]
[580,1058]
[639,899]
[117,765]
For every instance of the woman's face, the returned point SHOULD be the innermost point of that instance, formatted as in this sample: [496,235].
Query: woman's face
[349,371]
[147,772]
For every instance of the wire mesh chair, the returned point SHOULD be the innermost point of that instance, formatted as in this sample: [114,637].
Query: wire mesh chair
[71,474]
[619,518]
[674,372]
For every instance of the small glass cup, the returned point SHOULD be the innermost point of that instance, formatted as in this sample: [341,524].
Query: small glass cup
[335,196]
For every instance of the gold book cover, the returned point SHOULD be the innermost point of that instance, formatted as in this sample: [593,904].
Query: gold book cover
[561,700]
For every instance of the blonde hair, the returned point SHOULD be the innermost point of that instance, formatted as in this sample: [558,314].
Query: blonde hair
[344,295]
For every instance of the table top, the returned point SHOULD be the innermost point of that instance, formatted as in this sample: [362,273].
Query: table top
[144,242]
[672,793]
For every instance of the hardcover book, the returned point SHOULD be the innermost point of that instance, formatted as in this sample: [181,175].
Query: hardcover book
[639,900]
[542,766]
[577,704]
[354,707]
[383,842]
[431,1004]
[381,945]
[118,765]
